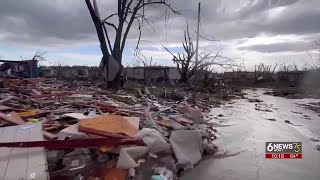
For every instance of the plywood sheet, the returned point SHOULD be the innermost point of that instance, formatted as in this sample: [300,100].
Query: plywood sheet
[108,125]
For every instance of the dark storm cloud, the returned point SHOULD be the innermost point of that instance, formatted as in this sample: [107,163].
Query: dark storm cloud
[44,22]
[221,20]
[253,7]
[280,47]
[60,22]
[297,17]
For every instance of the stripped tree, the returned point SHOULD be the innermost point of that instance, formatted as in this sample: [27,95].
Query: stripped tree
[286,67]
[316,62]
[265,72]
[128,13]
[39,57]
[186,64]
[146,63]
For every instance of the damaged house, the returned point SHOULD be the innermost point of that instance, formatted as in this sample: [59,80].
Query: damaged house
[239,77]
[23,69]
[152,73]
[48,72]
[290,78]
[70,72]
[309,78]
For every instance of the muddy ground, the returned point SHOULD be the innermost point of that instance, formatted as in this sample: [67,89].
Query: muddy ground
[245,126]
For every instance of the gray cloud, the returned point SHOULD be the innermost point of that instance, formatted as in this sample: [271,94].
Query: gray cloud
[298,18]
[60,22]
[258,6]
[280,47]
[219,21]
[45,22]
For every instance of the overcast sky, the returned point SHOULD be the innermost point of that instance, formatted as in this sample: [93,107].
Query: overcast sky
[255,31]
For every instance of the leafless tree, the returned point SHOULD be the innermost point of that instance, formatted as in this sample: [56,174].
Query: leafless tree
[286,67]
[38,56]
[316,62]
[147,62]
[315,59]
[239,67]
[128,13]
[265,72]
[185,61]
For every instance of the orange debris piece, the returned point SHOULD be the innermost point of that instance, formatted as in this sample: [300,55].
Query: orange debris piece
[108,125]
[16,82]
[115,174]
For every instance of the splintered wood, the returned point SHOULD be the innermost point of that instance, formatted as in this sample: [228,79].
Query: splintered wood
[108,126]
[12,119]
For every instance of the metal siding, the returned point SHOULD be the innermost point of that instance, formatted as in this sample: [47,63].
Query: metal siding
[22,163]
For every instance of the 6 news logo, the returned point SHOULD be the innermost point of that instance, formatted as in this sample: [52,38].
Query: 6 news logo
[283,150]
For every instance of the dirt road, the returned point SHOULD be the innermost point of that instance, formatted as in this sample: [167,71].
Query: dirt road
[248,125]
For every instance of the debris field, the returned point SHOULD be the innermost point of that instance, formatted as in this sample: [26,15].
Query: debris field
[91,133]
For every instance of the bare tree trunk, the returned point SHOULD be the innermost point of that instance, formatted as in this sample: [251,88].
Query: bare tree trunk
[103,45]
[127,13]
[116,82]
[195,90]
[99,29]
[183,78]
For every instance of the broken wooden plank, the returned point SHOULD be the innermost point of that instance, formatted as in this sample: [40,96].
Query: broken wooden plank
[27,113]
[107,105]
[55,124]
[11,119]
[121,113]
[76,115]
[185,120]
[164,123]
[164,118]
[3,108]
[130,112]
[16,82]
[47,120]
[34,80]
[51,128]
[6,99]
[36,92]
[49,135]
[15,105]
[3,123]
[16,116]
[99,110]
[74,143]
[54,94]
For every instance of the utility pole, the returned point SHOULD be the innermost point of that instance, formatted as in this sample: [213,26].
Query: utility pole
[195,90]
[197,43]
